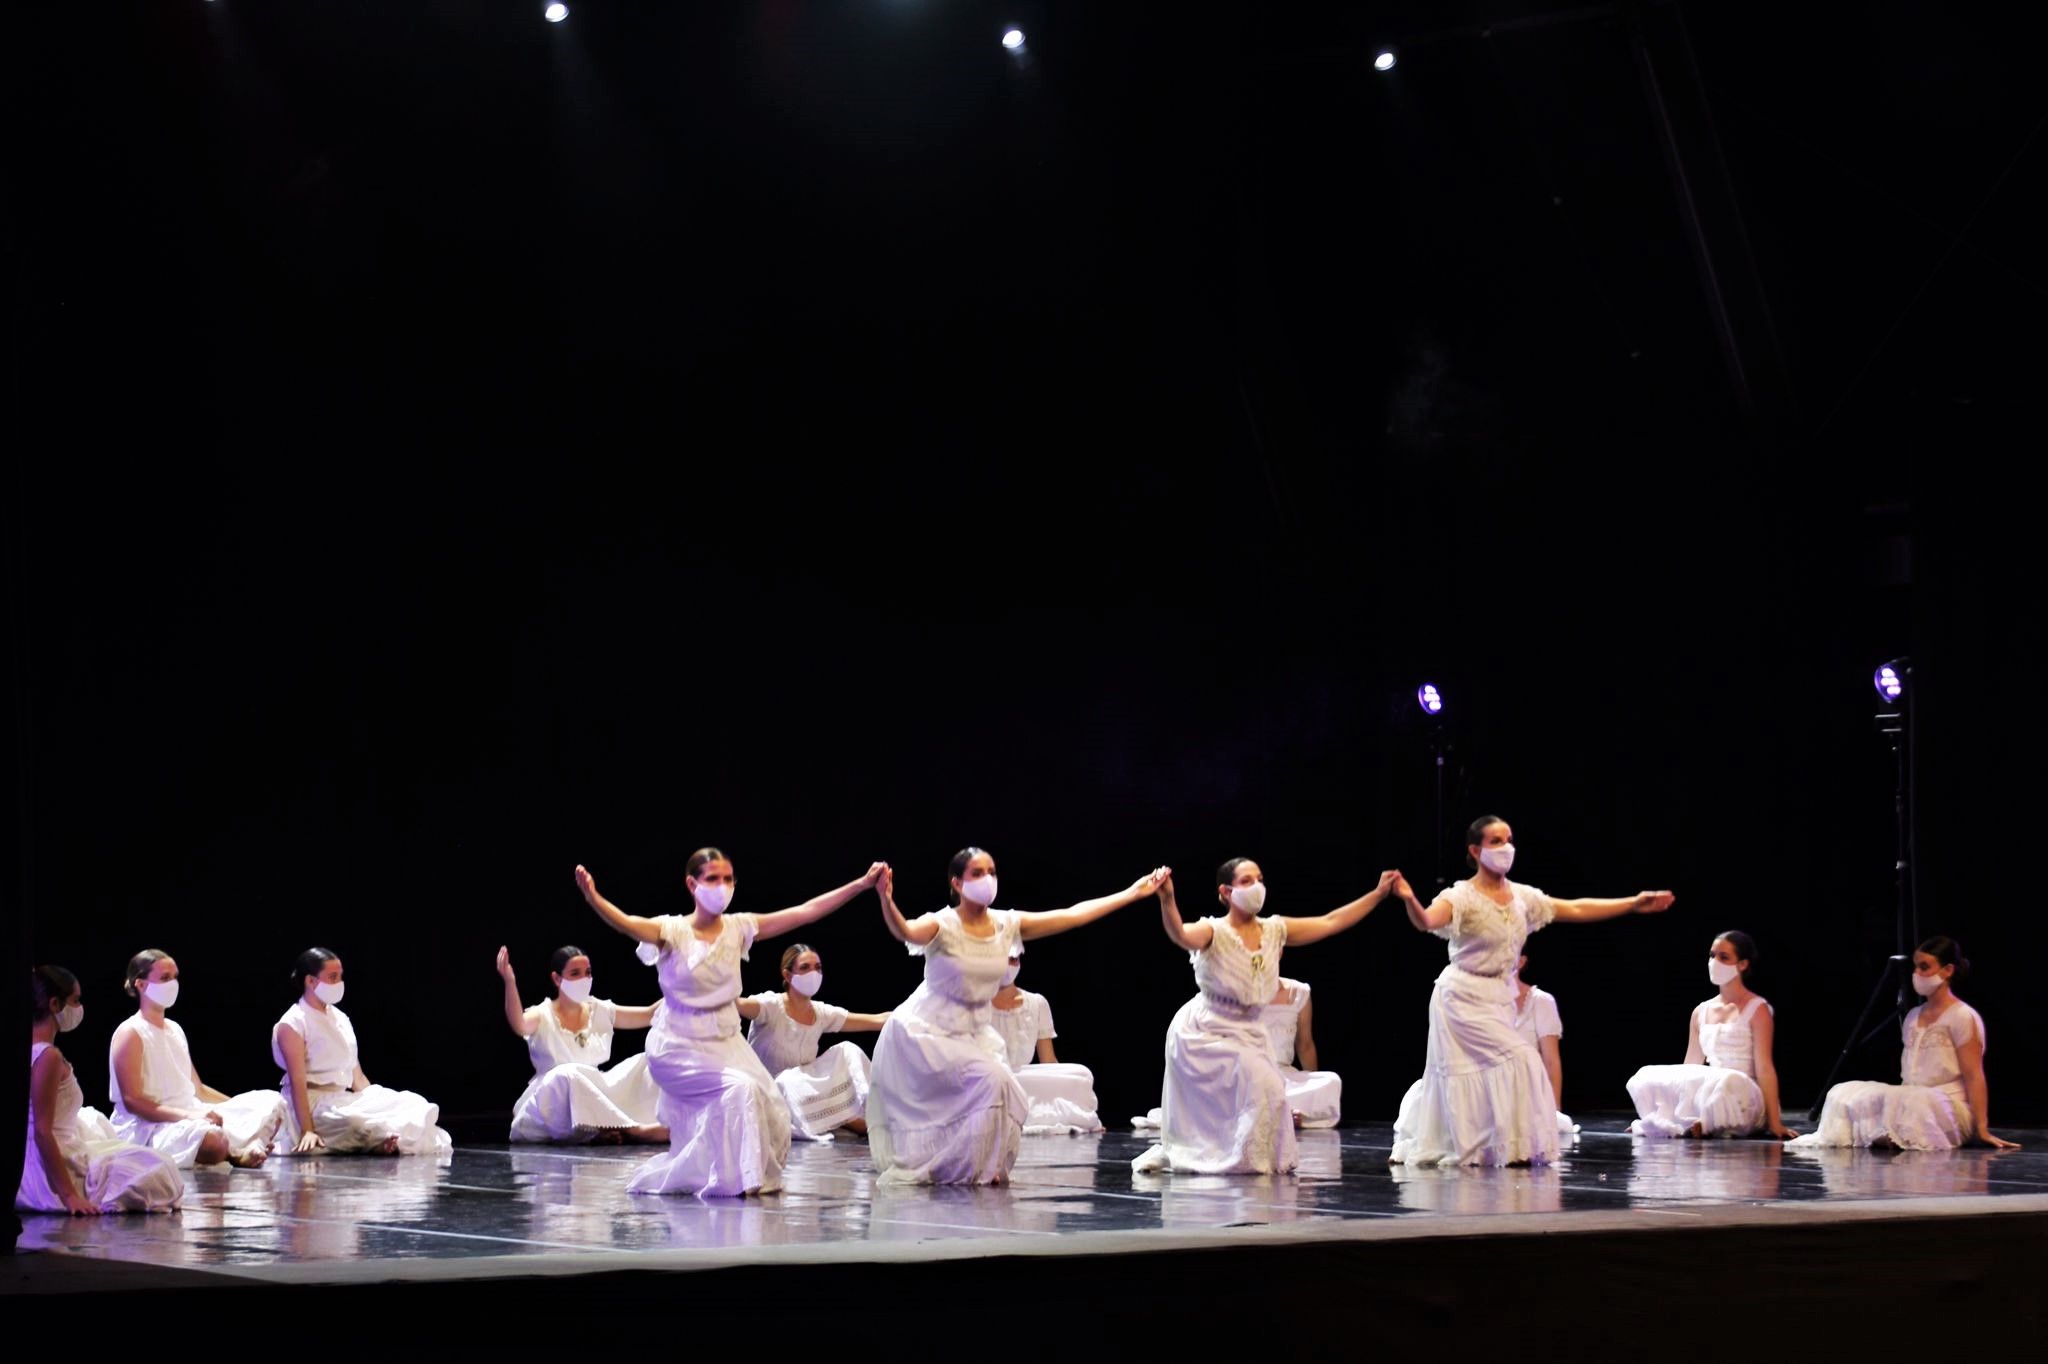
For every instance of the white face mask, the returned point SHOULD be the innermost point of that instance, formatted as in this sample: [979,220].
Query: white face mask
[1010,974]
[982,891]
[1720,972]
[1498,860]
[162,993]
[330,991]
[1251,899]
[1925,985]
[576,991]
[648,952]
[713,899]
[807,983]
[70,1017]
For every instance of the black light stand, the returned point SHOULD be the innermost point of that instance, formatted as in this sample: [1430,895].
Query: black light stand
[1896,724]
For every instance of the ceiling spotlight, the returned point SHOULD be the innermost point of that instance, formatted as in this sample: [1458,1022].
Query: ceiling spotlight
[1013,38]
[1383,62]
[556,12]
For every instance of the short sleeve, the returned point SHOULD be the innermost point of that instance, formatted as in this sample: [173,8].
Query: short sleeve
[831,1018]
[1964,1026]
[603,1015]
[943,918]
[675,932]
[1540,908]
[1045,1028]
[1548,1024]
[747,925]
[1461,908]
[1299,989]
[1013,931]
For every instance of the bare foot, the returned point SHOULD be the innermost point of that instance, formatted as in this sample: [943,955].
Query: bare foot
[654,1134]
[388,1147]
[249,1157]
[859,1125]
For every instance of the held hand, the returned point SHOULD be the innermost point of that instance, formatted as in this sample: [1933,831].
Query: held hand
[1165,891]
[310,1141]
[1654,901]
[875,873]
[885,884]
[586,883]
[1150,883]
[77,1205]
[1389,880]
[505,963]
[1402,888]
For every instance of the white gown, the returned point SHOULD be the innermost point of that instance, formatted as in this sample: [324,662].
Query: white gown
[569,1099]
[943,1106]
[1929,1112]
[825,1090]
[1536,1018]
[1223,1108]
[728,1128]
[1722,1096]
[115,1175]
[346,1119]
[1315,1095]
[1484,1098]
[247,1120]
[1060,1093]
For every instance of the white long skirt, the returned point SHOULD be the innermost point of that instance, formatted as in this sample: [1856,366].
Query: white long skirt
[728,1128]
[943,1107]
[1484,1098]
[1910,1117]
[1223,1108]
[573,1103]
[1670,1100]
[364,1119]
[250,1120]
[828,1093]
[112,1174]
[1315,1096]
[1061,1097]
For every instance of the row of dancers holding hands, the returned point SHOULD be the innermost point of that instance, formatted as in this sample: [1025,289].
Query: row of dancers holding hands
[964,1067]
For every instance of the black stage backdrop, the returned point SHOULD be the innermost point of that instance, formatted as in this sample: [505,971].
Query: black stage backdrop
[461,447]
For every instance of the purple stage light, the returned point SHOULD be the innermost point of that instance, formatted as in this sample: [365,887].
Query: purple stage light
[1890,683]
[1430,699]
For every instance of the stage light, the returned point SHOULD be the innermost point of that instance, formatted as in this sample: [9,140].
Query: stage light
[1430,699]
[1890,681]
[1013,38]
[1383,62]
[556,13]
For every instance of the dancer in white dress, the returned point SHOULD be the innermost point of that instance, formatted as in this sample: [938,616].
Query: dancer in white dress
[1223,1108]
[1728,1086]
[1945,1100]
[1315,1097]
[1537,1019]
[74,1163]
[943,1105]
[1060,1094]
[826,1091]
[160,1101]
[1484,1099]
[330,1103]
[570,1098]
[728,1125]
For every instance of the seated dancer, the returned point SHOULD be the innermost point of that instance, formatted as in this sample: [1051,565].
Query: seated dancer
[570,1098]
[1728,1085]
[826,1091]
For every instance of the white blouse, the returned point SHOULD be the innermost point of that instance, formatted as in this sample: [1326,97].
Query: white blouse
[1283,1022]
[1930,1057]
[1022,1027]
[1486,937]
[551,1044]
[700,980]
[780,1041]
[1238,979]
[1536,1017]
[166,1065]
[330,1044]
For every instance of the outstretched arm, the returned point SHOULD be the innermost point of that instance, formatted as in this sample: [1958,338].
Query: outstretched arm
[632,925]
[515,1012]
[634,1016]
[864,1022]
[789,920]
[1302,932]
[1592,911]
[917,932]
[1048,922]
[1194,937]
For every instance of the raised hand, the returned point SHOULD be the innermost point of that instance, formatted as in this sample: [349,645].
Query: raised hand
[586,883]
[1389,880]
[876,871]
[1654,901]
[885,884]
[505,963]
[1150,883]
[1165,891]
[1402,888]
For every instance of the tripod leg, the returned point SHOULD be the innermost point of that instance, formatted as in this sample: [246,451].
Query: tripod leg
[1884,979]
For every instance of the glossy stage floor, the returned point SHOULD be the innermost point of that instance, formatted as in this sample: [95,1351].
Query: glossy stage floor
[1080,1250]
